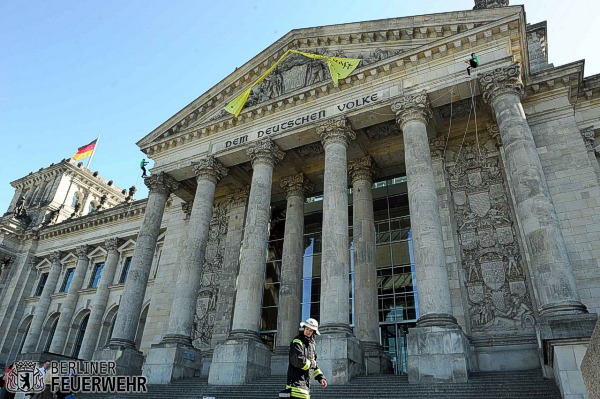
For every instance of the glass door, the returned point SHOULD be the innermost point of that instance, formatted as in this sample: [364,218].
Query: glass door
[393,340]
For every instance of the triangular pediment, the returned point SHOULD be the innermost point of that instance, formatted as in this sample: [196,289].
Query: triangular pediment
[376,43]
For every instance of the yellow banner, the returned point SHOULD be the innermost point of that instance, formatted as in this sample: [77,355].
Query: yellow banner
[339,68]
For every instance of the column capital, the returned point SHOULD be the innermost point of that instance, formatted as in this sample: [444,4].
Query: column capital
[336,130]
[297,185]
[505,80]
[112,244]
[161,183]
[82,251]
[362,169]
[264,151]
[412,107]
[209,168]
[33,261]
[56,256]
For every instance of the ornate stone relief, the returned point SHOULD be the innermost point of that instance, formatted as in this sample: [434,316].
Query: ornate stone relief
[382,130]
[296,72]
[589,138]
[311,150]
[495,282]
[480,4]
[204,319]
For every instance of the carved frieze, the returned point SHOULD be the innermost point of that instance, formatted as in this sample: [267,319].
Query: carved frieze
[495,283]
[589,138]
[204,319]
[311,150]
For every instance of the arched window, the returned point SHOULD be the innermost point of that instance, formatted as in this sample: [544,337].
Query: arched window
[51,335]
[80,334]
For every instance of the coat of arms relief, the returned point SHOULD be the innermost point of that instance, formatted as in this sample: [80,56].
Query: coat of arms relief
[206,302]
[494,278]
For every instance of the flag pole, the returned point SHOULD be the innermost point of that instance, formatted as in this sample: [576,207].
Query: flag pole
[93,152]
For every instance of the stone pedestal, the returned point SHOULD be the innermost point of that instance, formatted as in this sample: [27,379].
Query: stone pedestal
[239,360]
[339,356]
[167,362]
[376,360]
[590,367]
[437,354]
[128,360]
[280,360]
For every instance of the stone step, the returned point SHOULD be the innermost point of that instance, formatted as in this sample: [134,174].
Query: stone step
[497,385]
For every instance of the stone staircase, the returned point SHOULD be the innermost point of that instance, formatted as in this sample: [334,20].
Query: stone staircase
[496,385]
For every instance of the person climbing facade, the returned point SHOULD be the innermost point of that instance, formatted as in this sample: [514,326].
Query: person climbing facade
[473,63]
[143,167]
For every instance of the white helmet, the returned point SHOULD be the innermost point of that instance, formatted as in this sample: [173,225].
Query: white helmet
[312,324]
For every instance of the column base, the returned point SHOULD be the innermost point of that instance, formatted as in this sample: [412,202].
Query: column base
[128,361]
[376,360]
[239,360]
[171,361]
[437,354]
[280,359]
[340,354]
[558,330]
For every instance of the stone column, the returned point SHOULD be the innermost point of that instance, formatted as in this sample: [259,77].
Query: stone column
[366,326]
[290,291]
[121,347]
[340,354]
[70,303]
[243,357]
[446,361]
[41,309]
[552,273]
[100,299]
[175,357]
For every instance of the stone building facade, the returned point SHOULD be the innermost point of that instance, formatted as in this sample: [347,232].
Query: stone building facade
[435,223]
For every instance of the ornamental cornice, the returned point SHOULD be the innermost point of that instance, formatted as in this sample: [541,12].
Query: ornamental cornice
[413,107]
[335,130]
[117,214]
[185,128]
[362,169]
[500,81]
[264,151]
[161,183]
[209,168]
[296,185]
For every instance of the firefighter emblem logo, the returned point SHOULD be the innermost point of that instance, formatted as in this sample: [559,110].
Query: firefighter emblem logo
[25,377]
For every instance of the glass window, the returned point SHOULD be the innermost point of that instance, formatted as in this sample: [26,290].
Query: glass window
[95,280]
[67,280]
[125,271]
[51,335]
[80,334]
[41,284]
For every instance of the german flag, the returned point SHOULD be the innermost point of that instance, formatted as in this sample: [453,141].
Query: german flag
[85,151]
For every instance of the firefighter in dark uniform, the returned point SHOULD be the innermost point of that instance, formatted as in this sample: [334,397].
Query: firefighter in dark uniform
[303,362]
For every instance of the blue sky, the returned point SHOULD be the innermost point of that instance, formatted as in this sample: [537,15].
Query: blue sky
[71,70]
